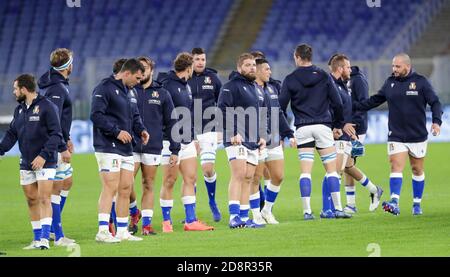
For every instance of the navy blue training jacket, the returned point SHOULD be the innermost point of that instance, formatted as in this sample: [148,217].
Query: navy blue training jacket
[114,108]
[311,92]
[56,88]
[38,131]
[155,108]
[205,86]
[359,89]
[407,99]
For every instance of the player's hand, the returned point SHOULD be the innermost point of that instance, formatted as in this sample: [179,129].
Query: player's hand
[435,129]
[337,133]
[236,140]
[145,137]
[66,156]
[349,129]
[124,137]
[38,163]
[293,142]
[70,146]
[262,144]
[173,160]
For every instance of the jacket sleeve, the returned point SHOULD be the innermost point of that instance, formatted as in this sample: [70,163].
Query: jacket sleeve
[360,92]
[285,96]
[285,129]
[217,87]
[54,131]
[168,108]
[433,100]
[57,95]
[373,101]
[100,100]
[10,137]
[264,123]
[226,101]
[335,103]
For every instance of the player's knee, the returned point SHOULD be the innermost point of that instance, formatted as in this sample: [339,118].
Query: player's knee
[208,170]
[277,178]
[417,170]
[147,184]
[44,200]
[169,181]
[32,201]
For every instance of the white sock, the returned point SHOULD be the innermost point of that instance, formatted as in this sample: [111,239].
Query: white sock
[350,193]
[306,201]
[369,185]
[105,218]
[122,221]
[133,204]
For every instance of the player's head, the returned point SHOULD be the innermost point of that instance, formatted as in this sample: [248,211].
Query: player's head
[61,59]
[24,84]
[340,65]
[118,65]
[183,63]
[199,57]
[131,72]
[263,71]
[149,66]
[258,54]
[401,65]
[246,66]
[303,54]
[330,60]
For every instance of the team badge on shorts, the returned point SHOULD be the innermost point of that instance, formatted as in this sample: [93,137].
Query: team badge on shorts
[391,146]
[241,151]
[115,163]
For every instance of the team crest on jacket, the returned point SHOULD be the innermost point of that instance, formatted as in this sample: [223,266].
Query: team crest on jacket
[270,90]
[412,86]
[155,94]
[36,110]
[208,80]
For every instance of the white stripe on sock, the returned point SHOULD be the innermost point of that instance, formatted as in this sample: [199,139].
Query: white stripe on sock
[273,188]
[419,178]
[64,193]
[103,217]
[211,179]
[306,201]
[133,204]
[166,203]
[55,199]
[254,196]
[396,175]
[305,175]
[188,200]
[35,225]
[147,213]
[46,221]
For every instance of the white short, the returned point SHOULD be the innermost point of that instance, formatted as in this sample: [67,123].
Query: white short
[147,159]
[208,147]
[109,162]
[272,154]
[187,151]
[240,152]
[417,149]
[322,135]
[63,170]
[28,177]
[343,147]
[362,138]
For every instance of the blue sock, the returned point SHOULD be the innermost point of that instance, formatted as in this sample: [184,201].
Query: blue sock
[56,218]
[395,183]
[45,225]
[189,210]
[166,213]
[113,216]
[418,183]
[243,212]
[133,208]
[333,187]
[233,208]
[326,205]
[146,221]
[305,187]
[210,183]
[63,194]
[271,193]
[37,230]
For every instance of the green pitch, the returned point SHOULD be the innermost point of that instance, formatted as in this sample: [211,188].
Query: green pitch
[367,233]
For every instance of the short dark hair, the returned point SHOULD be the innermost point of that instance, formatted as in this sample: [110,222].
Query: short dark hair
[304,51]
[198,51]
[258,54]
[132,65]
[118,65]
[26,81]
[60,56]
[243,57]
[261,61]
[148,61]
[183,61]
[338,61]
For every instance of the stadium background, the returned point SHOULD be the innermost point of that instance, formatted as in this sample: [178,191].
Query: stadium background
[100,31]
